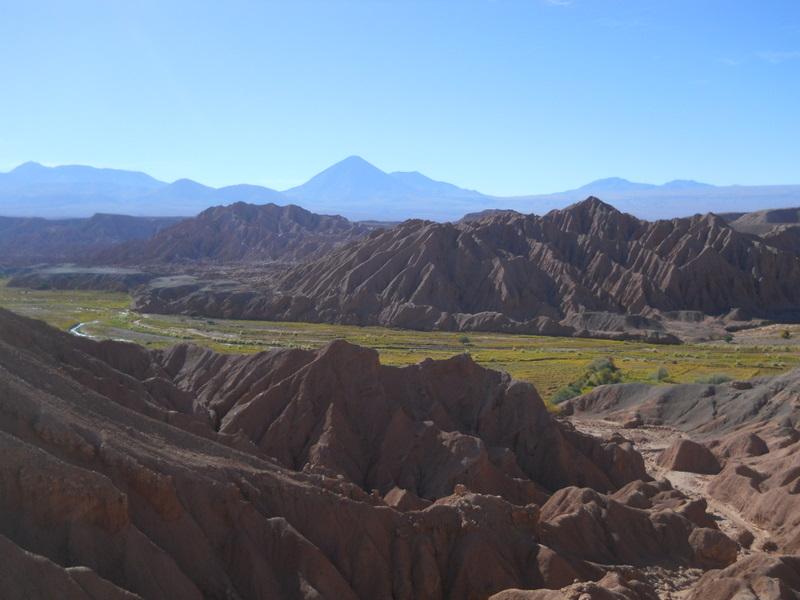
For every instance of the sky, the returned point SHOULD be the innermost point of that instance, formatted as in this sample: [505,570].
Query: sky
[504,96]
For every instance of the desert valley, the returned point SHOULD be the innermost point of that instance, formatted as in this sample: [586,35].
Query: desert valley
[369,300]
[194,423]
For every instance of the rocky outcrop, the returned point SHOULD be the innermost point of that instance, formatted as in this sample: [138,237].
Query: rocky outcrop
[523,273]
[766,490]
[423,428]
[615,326]
[741,445]
[762,222]
[186,474]
[614,586]
[780,228]
[689,456]
[757,577]
[709,410]
[239,233]
[27,576]
[786,238]
[712,549]
[583,524]
[748,429]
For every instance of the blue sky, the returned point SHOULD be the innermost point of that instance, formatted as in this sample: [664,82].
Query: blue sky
[504,96]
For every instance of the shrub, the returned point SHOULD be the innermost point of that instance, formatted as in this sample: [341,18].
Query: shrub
[566,392]
[604,377]
[602,364]
[728,338]
[464,340]
[601,371]
[661,374]
[786,334]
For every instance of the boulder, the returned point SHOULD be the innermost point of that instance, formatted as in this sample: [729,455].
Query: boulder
[712,548]
[689,456]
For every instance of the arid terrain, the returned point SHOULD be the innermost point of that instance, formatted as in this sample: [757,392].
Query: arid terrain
[294,473]
[263,402]
[588,270]
[374,300]
[157,445]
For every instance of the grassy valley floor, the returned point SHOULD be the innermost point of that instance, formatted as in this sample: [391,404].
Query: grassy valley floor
[550,363]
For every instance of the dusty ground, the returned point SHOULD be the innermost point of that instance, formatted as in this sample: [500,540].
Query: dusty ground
[674,584]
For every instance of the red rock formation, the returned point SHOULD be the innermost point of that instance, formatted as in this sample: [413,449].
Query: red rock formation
[766,491]
[750,426]
[581,523]
[423,428]
[686,455]
[741,445]
[160,474]
[519,273]
[614,586]
[27,576]
[758,577]
[239,232]
[705,410]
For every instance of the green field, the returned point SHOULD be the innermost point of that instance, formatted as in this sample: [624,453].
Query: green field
[548,362]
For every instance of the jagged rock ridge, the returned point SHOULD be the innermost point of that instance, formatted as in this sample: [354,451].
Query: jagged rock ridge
[241,232]
[520,273]
[186,474]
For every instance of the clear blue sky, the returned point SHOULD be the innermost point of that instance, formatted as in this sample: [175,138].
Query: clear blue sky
[505,96]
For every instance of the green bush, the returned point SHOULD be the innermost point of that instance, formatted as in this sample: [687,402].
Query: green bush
[566,392]
[464,340]
[603,377]
[661,374]
[602,364]
[786,334]
[601,371]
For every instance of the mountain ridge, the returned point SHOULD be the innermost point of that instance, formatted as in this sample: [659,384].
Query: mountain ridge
[240,232]
[553,275]
[358,190]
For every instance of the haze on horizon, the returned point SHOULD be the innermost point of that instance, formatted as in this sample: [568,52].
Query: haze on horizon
[506,96]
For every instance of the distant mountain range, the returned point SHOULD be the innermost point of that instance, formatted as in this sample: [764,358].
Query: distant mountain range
[33,190]
[357,190]
[677,198]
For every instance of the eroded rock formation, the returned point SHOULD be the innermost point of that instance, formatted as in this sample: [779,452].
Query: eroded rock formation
[296,474]
[561,274]
[239,232]
[748,429]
